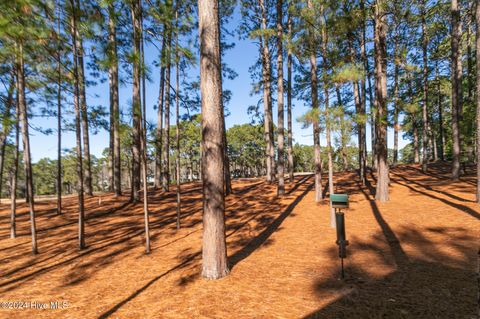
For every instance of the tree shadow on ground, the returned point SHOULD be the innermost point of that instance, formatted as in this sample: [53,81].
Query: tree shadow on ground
[436,279]
[256,205]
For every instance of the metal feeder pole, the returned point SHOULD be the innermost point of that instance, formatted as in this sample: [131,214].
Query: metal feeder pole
[342,242]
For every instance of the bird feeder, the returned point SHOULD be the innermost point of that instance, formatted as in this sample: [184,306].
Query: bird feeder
[340,202]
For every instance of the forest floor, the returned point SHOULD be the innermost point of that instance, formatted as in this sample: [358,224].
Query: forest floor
[412,257]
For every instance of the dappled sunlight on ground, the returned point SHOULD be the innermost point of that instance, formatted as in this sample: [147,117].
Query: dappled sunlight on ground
[414,256]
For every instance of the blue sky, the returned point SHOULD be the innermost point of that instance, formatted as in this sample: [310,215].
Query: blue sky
[240,58]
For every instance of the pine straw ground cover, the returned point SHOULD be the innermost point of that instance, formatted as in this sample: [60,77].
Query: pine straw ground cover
[413,257]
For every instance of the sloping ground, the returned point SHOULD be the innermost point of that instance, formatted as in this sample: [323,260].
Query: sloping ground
[413,257]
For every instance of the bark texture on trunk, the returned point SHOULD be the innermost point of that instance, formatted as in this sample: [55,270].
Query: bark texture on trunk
[14,178]
[136,104]
[6,125]
[440,115]
[280,101]
[456,88]
[425,88]
[177,126]
[477,17]
[267,97]
[22,105]
[326,85]
[59,112]
[381,98]
[316,125]
[78,131]
[138,130]
[396,102]
[166,130]
[159,137]
[214,253]
[114,102]
[289,101]
[83,106]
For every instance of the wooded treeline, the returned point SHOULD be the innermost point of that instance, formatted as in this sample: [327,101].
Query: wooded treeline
[361,67]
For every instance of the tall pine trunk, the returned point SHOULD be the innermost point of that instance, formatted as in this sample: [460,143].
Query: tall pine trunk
[138,129]
[214,252]
[22,105]
[396,102]
[14,178]
[136,104]
[343,129]
[267,97]
[114,102]
[177,124]
[166,133]
[161,91]
[59,112]
[425,88]
[381,99]
[312,49]
[477,17]
[280,101]
[440,115]
[6,125]
[360,110]
[78,130]
[83,107]
[328,124]
[456,88]
[289,100]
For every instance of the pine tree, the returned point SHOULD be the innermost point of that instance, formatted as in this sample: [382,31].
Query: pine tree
[280,125]
[381,101]
[478,98]
[312,49]
[456,88]
[289,99]
[78,128]
[214,252]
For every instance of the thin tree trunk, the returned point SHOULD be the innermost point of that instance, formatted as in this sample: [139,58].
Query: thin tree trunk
[214,252]
[159,143]
[166,133]
[226,160]
[363,55]
[136,105]
[359,109]
[6,126]
[396,102]
[425,88]
[343,129]
[314,92]
[371,99]
[78,131]
[84,109]
[114,102]
[177,128]
[289,101]
[440,115]
[433,142]
[267,97]
[13,189]
[381,98]
[456,88]
[280,101]
[477,17]
[326,85]
[139,136]
[59,113]
[416,151]
[22,105]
